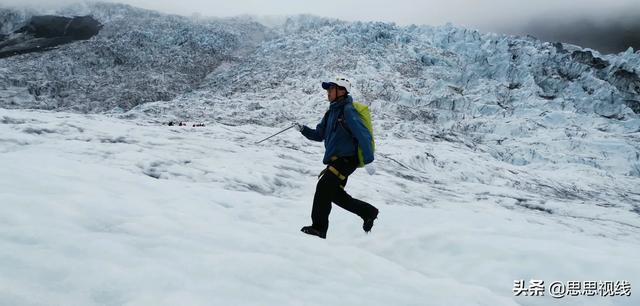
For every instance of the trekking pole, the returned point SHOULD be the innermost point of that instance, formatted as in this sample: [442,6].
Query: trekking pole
[274,134]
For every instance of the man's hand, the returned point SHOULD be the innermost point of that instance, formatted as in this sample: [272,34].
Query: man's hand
[298,126]
[370,169]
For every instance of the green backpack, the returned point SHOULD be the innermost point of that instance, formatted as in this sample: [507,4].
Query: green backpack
[365,116]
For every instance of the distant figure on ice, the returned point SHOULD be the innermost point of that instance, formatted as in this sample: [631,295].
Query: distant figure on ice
[181,123]
[348,142]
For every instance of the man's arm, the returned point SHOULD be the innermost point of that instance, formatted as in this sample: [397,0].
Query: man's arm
[317,134]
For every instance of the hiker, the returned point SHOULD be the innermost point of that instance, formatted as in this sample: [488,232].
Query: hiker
[342,131]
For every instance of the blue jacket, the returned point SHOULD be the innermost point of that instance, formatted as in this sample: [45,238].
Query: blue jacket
[337,140]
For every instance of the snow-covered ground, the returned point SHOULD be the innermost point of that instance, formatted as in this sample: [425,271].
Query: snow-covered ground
[499,158]
[105,211]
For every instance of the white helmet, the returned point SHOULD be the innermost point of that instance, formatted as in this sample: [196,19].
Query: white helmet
[339,81]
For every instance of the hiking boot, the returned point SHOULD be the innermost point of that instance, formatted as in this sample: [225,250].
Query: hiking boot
[368,222]
[310,230]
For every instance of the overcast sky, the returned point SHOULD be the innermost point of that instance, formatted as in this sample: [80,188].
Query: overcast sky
[541,18]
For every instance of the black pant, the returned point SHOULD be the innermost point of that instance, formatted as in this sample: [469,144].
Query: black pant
[330,188]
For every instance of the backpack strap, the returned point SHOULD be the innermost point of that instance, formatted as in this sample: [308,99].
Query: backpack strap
[326,115]
[346,128]
[341,123]
[325,119]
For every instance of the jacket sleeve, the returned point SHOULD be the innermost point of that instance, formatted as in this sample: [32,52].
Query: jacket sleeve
[317,134]
[360,132]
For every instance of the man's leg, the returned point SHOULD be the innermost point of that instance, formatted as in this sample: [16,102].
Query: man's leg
[358,207]
[330,188]
[334,176]
[325,191]
[364,210]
